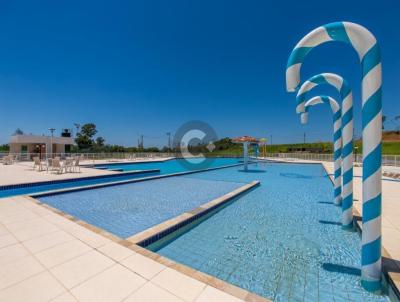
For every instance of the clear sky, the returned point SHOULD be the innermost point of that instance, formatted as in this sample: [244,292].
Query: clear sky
[146,67]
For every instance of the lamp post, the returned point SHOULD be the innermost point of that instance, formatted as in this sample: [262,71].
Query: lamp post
[169,141]
[51,141]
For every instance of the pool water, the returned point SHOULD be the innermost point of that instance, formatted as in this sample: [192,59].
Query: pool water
[167,167]
[172,166]
[282,240]
[125,210]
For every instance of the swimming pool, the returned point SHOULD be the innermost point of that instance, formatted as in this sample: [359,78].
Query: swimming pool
[169,166]
[125,210]
[165,167]
[282,240]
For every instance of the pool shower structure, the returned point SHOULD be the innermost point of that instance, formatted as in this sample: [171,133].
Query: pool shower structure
[247,141]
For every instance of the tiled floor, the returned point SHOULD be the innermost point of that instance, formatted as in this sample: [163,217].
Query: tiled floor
[22,172]
[46,257]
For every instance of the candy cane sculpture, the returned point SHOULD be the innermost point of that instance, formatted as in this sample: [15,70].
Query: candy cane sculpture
[347,135]
[368,50]
[337,140]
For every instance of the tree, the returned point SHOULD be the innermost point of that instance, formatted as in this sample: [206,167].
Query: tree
[84,139]
[4,148]
[100,141]
[384,117]
[89,130]
[18,131]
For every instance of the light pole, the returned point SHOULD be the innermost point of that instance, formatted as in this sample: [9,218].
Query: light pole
[169,141]
[51,141]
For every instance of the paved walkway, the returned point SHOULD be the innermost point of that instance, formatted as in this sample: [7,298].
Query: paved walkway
[46,257]
[22,172]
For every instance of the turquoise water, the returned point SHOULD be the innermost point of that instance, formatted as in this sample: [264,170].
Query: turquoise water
[128,209]
[172,166]
[282,240]
[168,167]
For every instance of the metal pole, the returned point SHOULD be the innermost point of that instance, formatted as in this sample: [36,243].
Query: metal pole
[169,141]
[51,141]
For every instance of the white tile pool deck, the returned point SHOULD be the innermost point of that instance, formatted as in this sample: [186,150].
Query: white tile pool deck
[22,172]
[47,257]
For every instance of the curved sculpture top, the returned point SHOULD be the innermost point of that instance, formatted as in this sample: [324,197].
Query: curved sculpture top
[320,100]
[332,79]
[356,35]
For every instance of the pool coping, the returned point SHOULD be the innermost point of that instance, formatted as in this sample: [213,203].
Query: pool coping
[212,281]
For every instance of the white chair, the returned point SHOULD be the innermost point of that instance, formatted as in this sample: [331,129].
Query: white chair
[37,163]
[7,160]
[57,166]
[76,165]
[68,164]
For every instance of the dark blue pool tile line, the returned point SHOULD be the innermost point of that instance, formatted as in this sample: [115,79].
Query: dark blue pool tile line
[174,228]
[50,182]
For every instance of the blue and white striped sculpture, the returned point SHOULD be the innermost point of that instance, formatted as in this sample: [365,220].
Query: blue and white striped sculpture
[337,139]
[368,50]
[347,135]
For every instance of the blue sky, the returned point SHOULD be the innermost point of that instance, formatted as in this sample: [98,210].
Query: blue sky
[146,67]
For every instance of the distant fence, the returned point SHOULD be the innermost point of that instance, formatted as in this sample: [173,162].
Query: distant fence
[387,160]
[90,156]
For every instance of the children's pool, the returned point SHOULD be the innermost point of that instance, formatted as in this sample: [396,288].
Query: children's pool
[164,167]
[282,240]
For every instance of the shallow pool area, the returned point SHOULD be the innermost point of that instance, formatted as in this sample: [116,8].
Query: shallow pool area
[131,171]
[125,210]
[282,240]
[172,165]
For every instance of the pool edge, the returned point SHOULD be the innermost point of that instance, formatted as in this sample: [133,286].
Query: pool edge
[209,280]
[169,226]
